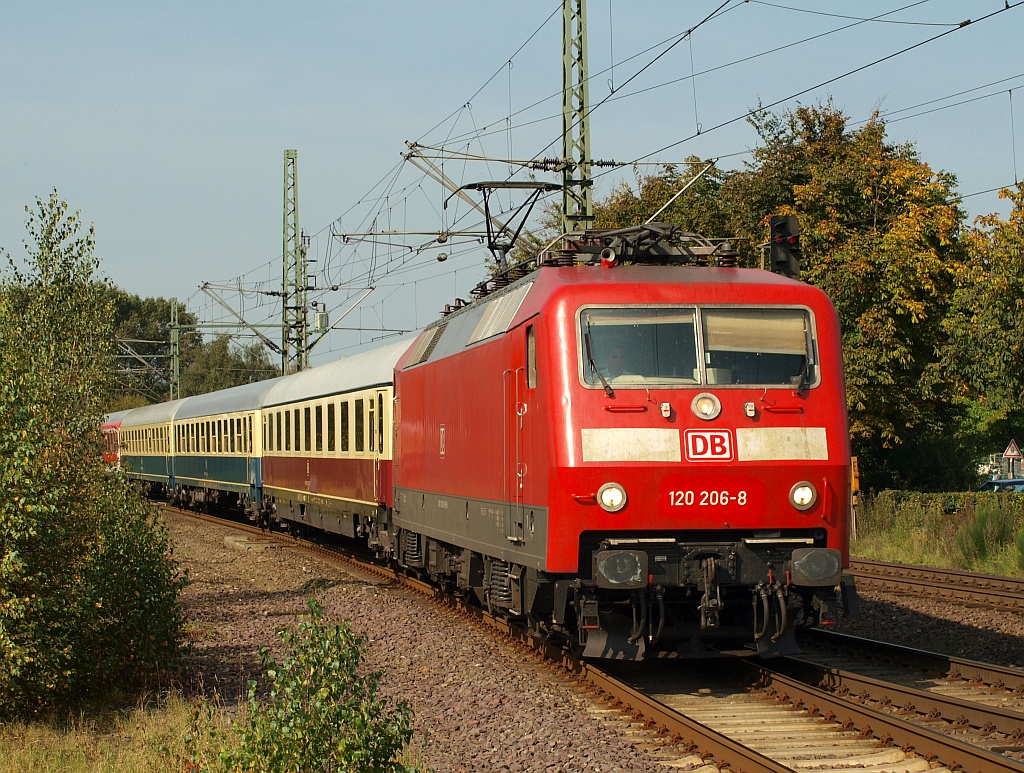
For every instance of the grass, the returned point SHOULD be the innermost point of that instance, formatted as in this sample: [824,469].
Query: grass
[146,739]
[976,532]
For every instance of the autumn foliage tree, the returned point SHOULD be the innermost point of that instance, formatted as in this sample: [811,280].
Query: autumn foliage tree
[880,236]
[88,595]
[985,351]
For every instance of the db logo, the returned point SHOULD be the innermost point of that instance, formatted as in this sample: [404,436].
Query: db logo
[708,445]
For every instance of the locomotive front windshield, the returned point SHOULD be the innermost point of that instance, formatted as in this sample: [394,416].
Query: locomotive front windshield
[634,346]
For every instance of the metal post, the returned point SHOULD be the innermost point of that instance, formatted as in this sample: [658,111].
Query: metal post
[577,184]
[295,331]
[175,352]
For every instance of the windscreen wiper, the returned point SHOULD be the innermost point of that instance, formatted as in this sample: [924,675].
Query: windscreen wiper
[593,365]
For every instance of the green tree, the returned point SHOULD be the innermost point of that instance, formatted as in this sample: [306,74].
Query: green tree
[986,345]
[88,595]
[881,238]
[142,331]
[220,365]
[699,210]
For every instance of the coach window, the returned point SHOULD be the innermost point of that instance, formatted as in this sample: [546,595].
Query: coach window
[287,432]
[318,425]
[231,435]
[277,445]
[344,427]
[372,425]
[295,429]
[331,445]
[360,418]
[380,422]
[268,431]
[307,430]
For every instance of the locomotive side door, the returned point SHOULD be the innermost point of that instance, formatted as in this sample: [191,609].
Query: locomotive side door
[514,411]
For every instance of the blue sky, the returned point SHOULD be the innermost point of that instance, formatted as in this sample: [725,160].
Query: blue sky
[166,124]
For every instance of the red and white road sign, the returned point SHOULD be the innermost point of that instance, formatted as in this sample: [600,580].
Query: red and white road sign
[1012,451]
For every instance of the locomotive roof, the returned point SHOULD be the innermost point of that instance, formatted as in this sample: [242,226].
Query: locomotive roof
[359,371]
[161,413]
[247,397]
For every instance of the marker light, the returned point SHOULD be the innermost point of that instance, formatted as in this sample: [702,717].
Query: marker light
[803,495]
[611,497]
[706,406]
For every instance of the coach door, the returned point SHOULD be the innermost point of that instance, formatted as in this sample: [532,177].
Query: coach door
[377,424]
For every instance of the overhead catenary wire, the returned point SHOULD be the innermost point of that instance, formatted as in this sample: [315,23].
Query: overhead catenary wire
[388,195]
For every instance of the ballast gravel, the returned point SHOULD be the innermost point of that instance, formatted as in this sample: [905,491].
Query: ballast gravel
[479,705]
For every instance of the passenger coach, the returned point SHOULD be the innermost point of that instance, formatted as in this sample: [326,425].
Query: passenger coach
[218,450]
[327,444]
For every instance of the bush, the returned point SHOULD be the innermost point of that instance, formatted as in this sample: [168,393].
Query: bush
[982,538]
[88,594]
[974,531]
[319,713]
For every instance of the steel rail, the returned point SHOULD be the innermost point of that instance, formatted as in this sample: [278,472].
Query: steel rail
[952,667]
[887,728]
[949,584]
[846,683]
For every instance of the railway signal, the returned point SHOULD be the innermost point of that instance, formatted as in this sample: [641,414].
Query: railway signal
[784,246]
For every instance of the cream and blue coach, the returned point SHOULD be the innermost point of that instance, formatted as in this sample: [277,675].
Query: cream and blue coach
[217,448]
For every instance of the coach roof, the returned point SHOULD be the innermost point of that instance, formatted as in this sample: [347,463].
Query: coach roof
[360,371]
[161,413]
[247,397]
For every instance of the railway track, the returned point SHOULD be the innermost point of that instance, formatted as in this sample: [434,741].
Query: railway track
[741,715]
[949,584]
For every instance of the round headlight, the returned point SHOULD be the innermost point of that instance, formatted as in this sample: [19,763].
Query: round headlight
[706,406]
[803,495]
[611,497]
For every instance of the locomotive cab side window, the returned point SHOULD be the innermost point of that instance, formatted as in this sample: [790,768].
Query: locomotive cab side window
[531,358]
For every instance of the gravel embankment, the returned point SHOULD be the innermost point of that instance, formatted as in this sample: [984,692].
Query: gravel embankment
[479,706]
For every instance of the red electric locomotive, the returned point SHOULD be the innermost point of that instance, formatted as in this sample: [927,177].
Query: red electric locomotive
[635,446]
